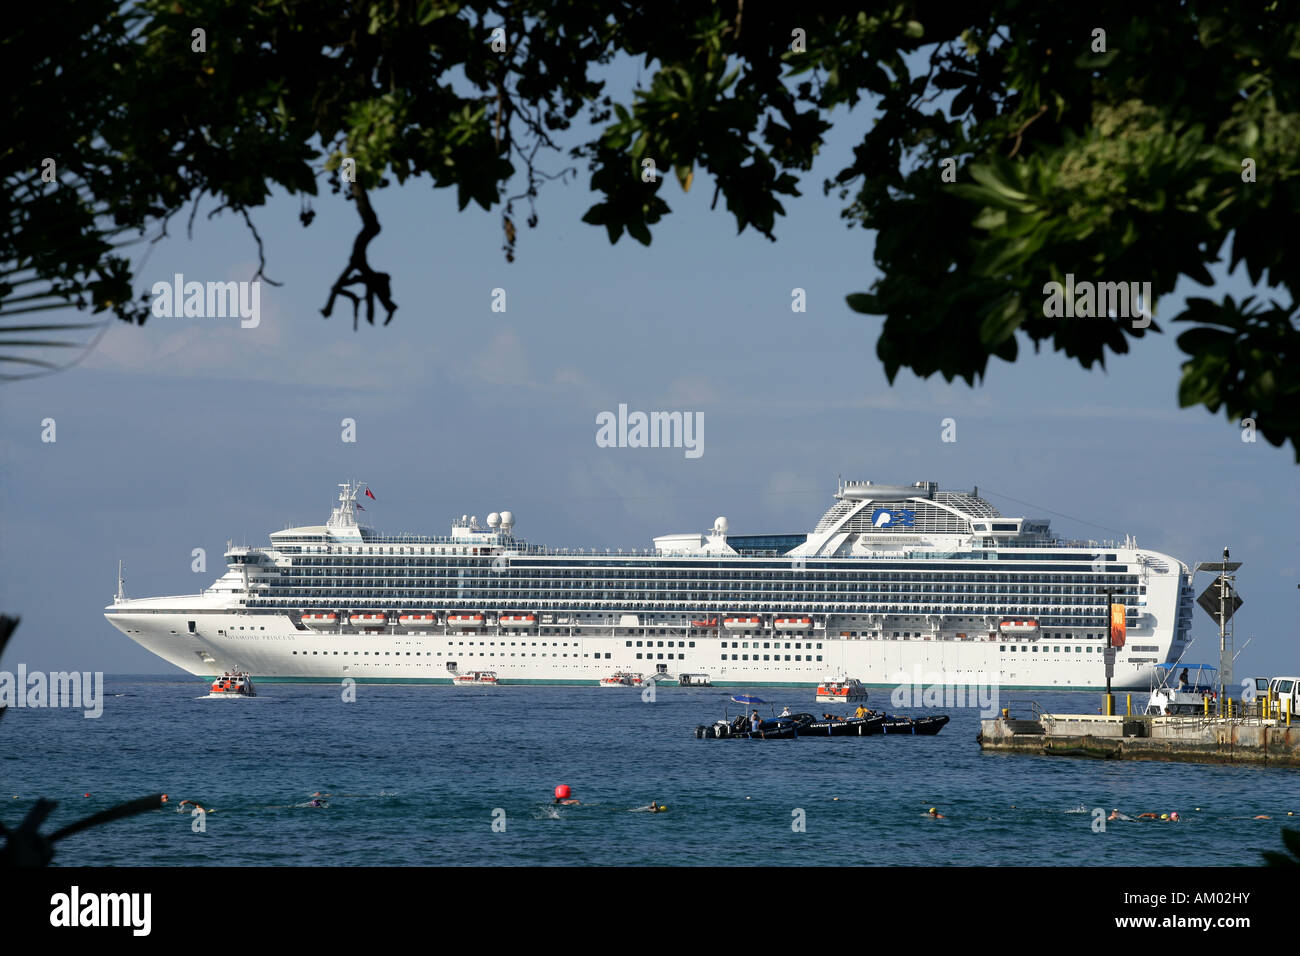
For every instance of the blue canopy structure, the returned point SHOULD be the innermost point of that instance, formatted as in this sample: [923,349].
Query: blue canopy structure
[748,699]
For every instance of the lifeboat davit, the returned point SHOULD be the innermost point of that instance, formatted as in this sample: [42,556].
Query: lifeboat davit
[741,623]
[1018,627]
[793,623]
[517,620]
[464,620]
[368,619]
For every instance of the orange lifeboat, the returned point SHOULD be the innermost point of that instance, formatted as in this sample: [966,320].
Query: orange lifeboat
[464,620]
[794,623]
[417,620]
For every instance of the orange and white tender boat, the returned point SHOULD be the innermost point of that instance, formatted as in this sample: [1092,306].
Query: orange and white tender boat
[465,620]
[843,690]
[368,620]
[517,620]
[410,619]
[622,679]
[320,620]
[794,623]
[1018,627]
[742,622]
[234,684]
[476,678]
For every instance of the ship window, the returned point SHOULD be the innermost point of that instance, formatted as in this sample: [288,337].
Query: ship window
[743,657]
[638,643]
[787,657]
[628,643]
[819,657]
[724,657]
[798,657]
[691,644]
[733,656]
[819,647]
[1078,650]
[638,657]
[766,657]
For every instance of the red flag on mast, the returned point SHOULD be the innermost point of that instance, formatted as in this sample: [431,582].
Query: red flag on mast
[370,494]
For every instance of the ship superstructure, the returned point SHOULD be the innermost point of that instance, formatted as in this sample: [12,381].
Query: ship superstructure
[893,580]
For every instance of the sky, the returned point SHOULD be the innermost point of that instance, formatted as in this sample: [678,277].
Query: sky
[191,432]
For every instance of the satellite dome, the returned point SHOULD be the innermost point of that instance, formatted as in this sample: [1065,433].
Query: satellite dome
[494,519]
[720,525]
[507,520]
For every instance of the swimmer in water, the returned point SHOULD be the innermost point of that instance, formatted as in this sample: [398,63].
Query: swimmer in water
[1116,815]
[567,802]
[315,803]
[934,812]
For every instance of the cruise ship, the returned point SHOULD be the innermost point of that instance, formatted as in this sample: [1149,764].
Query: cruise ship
[895,582]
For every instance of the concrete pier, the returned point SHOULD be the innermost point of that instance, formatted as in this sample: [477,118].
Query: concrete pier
[1192,739]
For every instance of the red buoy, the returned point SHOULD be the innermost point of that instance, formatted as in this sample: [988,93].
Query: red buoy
[562,792]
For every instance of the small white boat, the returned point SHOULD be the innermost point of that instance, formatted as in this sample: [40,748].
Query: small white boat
[517,620]
[622,679]
[234,684]
[1182,690]
[742,623]
[1018,627]
[475,678]
[368,620]
[840,690]
[464,620]
[320,620]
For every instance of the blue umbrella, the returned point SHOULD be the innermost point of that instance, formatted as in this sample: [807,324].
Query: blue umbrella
[747,699]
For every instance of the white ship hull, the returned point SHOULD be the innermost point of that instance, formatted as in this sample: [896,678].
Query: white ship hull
[895,585]
[283,653]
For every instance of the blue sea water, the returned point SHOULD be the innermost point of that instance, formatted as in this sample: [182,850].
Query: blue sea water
[417,775]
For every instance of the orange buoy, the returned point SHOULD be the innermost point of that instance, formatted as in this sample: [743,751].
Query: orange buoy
[562,792]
